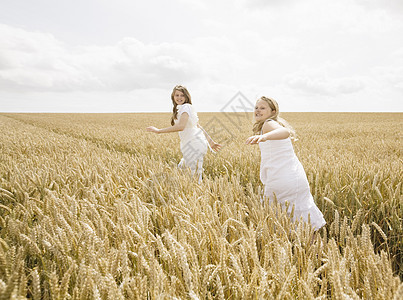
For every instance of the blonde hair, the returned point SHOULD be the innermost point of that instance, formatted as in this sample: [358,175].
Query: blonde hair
[257,127]
[182,89]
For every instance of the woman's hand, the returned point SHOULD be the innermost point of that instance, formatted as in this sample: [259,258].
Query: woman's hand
[216,147]
[152,129]
[255,139]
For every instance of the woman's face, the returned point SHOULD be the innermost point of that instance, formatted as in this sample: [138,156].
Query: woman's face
[263,111]
[179,97]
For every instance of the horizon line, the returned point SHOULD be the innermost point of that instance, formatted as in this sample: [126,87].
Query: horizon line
[158,112]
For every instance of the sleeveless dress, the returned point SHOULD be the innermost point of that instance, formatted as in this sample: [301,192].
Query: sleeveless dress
[193,143]
[284,178]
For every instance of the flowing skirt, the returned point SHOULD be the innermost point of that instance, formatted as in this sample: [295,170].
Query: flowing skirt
[285,180]
[193,150]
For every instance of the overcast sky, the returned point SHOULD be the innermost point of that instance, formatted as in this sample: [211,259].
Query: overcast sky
[126,55]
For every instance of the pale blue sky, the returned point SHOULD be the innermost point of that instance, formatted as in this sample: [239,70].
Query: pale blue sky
[125,56]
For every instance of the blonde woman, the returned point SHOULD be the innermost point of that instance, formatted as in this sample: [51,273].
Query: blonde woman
[281,172]
[194,140]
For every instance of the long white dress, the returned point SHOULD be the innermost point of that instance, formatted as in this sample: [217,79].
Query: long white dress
[284,178]
[193,143]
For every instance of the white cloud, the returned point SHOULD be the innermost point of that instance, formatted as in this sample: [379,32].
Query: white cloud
[326,86]
[389,77]
[289,49]
[37,61]
[326,79]
[395,6]
[258,4]
[195,4]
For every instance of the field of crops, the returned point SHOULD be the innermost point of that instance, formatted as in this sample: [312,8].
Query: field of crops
[94,207]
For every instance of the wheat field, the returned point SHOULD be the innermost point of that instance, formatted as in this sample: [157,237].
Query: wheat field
[94,207]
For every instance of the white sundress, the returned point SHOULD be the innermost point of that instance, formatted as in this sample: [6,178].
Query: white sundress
[193,143]
[284,177]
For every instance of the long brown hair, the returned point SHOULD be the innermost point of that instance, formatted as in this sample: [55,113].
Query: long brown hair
[257,127]
[182,89]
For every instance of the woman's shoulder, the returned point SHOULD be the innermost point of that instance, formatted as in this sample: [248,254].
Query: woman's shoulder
[185,108]
[270,125]
[270,122]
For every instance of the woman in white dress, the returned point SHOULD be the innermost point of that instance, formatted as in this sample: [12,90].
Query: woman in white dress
[281,172]
[194,140]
